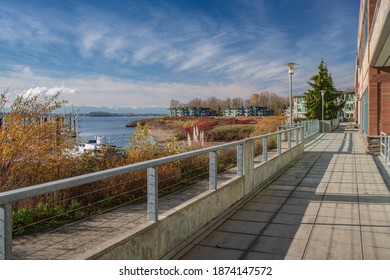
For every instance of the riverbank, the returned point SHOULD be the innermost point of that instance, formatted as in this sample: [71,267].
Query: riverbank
[211,129]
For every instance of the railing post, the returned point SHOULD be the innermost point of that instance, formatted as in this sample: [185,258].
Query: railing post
[388,150]
[249,165]
[152,198]
[387,154]
[6,232]
[311,127]
[279,144]
[296,136]
[289,139]
[303,133]
[382,145]
[240,160]
[213,171]
[265,149]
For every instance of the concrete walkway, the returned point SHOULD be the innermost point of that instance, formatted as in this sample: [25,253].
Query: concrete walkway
[334,203]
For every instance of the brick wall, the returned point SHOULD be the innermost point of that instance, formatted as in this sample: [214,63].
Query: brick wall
[385,107]
[373,102]
[379,102]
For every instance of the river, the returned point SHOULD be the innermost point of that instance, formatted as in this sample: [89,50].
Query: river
[112,129]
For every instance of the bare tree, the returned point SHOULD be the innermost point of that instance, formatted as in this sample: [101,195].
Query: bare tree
[237,102]
[174,103]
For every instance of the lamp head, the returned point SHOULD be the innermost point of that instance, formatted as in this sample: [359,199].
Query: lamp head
[291,67]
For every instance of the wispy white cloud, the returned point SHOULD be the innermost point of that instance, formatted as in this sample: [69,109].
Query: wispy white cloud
[44,91]
[30,29]
[104,90]
[199,56]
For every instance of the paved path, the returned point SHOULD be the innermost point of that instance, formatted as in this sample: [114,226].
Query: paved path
[332,204]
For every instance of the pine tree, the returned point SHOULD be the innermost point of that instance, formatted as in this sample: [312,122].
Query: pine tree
[322,81]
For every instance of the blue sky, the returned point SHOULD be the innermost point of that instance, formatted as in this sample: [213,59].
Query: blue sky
[140,53]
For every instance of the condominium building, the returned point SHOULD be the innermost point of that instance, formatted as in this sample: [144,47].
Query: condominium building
[247,111]
[372,73]
[191,112]
[299,106]
[346,114]
[348,109]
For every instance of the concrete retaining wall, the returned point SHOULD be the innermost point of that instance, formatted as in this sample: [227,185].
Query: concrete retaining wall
[175,228]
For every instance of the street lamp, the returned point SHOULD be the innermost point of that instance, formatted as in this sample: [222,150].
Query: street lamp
[322,105]
[291,73]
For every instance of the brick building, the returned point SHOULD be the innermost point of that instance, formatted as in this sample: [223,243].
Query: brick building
[372,74]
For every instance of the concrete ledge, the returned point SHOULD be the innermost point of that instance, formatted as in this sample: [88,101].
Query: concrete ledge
[177,227]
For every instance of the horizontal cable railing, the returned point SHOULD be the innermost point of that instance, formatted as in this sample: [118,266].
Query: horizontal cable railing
[152,178]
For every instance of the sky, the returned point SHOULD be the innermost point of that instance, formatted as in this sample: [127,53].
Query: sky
[143,53]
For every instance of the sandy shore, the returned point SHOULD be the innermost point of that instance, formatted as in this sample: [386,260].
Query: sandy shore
[161,135]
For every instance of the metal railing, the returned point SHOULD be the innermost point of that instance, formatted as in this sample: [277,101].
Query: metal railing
[299,132]
[385,147]
[310,127]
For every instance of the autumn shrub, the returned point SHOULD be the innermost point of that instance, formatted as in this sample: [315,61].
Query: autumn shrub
[227,158]
[228,133]
[32,141]
[245,121]
[268,124]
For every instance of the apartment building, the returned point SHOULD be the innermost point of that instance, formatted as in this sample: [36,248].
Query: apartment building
[191,112]
[299,107]
[348,109]
[247,111]
[372,73]
[346,114]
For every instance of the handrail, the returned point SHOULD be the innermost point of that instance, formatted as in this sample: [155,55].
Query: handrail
[388,150]
[302,131]
[383,145]
[45,188]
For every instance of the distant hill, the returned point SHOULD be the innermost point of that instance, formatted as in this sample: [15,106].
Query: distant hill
[115,110]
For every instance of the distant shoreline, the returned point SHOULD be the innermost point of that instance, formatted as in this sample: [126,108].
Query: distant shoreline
[108,114]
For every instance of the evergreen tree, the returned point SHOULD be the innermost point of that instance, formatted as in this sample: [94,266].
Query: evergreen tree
[322,81]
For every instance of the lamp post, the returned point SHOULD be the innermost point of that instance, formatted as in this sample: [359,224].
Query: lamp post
[291,73]
[322,105]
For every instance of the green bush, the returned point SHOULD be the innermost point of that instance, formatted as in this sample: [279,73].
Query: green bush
[228,133]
